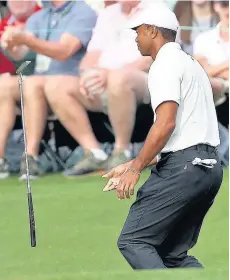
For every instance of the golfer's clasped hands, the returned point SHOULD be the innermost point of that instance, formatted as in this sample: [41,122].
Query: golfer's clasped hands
[122,179]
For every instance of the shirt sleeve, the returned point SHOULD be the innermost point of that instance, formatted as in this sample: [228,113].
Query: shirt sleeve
[82,25]
[32,24]
[101,33]
[164,84]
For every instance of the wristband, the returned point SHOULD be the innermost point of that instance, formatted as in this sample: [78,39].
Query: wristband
[134,171]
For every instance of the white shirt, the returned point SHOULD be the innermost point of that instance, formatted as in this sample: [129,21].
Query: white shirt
[176,76]
[210,45]
[216,51]
[112,37]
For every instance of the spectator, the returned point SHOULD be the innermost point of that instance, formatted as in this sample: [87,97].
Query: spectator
[68,28]
[3,10]
[212,51]
[20,11]
[113,81]
[199,15]
[108,3]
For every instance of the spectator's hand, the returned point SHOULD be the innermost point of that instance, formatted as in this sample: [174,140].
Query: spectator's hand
[114,176]
[224,74]
[99,81]
[93,82]
[16,39]
[83,89]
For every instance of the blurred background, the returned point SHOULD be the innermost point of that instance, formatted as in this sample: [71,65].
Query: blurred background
[58,141]
[87,109]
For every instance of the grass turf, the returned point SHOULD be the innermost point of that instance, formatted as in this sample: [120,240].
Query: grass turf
[77,228]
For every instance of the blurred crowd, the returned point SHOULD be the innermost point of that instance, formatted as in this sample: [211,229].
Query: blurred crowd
[84,59]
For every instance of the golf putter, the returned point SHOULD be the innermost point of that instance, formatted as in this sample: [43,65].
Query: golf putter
[29,191]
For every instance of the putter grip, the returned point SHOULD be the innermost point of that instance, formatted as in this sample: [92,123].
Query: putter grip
[32,221]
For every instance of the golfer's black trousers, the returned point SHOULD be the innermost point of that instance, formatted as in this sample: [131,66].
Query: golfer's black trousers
[165,220]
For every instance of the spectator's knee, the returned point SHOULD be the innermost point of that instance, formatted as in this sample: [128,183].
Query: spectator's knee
[52,89]
[118,80]
[7,88]
[33,87]
[58,88]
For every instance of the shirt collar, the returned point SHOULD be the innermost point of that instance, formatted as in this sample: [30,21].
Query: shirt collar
[167,47]
[217,34]
[59,9]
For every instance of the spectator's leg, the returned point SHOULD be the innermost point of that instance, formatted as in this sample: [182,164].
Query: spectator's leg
[9,94]
[70,106]
[35,112]
[125,89]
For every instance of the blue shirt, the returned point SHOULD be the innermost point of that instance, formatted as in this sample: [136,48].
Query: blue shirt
[75,18]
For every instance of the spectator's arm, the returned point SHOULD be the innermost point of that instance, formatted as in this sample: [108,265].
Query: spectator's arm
[77,35]
[62,50]
[18,53]
[212,70]
[142,64]
[90,60]
[224,74]
[200,47]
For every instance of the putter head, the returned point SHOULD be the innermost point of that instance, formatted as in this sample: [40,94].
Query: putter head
[23,66]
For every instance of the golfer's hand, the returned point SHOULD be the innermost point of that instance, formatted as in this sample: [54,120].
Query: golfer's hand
[114,176]
[126,184]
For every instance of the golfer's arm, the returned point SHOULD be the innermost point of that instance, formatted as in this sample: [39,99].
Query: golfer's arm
[158,135]
[152,162]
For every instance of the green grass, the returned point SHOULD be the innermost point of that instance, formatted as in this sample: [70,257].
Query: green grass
[77,228]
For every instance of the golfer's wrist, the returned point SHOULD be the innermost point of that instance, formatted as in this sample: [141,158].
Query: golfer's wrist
[134,171]
[137,165]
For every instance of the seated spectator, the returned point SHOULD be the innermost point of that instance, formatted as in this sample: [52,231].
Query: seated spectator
[59,34]
[113,81]
[212,50]
[3,10]
[20,11]
[199,15]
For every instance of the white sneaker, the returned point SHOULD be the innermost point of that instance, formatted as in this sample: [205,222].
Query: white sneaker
[4,169]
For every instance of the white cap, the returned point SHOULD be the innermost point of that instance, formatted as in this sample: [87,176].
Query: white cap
[157,15]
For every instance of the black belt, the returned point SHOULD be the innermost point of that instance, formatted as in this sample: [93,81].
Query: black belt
[198,147]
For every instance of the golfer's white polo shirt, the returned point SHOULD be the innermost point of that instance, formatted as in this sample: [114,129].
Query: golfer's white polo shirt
[176,76]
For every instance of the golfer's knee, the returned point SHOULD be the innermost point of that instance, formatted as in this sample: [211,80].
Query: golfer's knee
[123,242]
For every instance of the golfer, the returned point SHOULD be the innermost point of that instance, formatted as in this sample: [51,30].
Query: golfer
[164,222]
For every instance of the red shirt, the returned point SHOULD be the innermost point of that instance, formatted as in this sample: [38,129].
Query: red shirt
[6,66]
